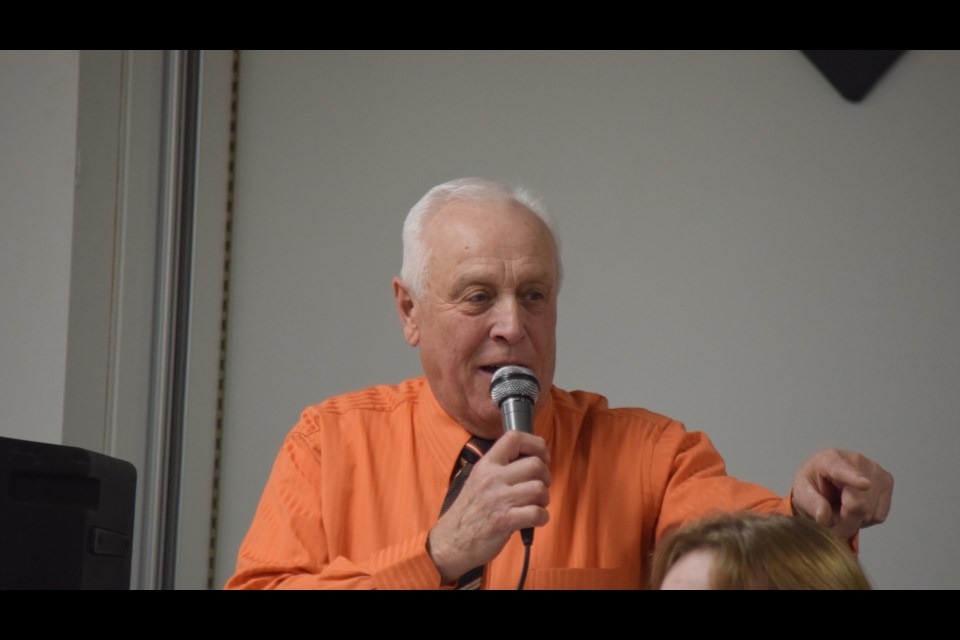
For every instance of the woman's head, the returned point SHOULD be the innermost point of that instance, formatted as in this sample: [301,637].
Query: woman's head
[749,551]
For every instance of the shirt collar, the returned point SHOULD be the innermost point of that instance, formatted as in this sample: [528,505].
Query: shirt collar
[445,437]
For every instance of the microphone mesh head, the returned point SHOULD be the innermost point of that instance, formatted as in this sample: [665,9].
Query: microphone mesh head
[513,381]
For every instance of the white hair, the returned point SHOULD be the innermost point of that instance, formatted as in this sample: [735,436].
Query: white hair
[416,256]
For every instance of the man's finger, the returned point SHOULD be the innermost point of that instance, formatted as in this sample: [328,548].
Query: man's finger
[884,500]
[530,516]
[524,469]
[514,444]
[843,469]
[854,505]
[853,514]
[533,492]
[808,503]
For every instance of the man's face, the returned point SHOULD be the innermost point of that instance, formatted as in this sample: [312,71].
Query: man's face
[490,299]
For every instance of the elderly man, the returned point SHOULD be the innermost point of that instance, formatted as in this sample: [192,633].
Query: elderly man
[360,494]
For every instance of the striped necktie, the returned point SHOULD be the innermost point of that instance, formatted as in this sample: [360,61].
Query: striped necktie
[469,456]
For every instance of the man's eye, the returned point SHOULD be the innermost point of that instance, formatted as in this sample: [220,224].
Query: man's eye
[478,297]
[536,296]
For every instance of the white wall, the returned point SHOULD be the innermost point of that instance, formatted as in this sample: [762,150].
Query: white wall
[81,146]
[38,128]
[744,250]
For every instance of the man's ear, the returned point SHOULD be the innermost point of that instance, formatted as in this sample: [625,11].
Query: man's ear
[408,308]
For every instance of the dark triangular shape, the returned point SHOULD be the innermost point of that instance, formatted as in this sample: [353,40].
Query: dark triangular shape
[853,72]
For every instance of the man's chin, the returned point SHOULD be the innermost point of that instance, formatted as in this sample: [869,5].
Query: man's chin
[486,431]
[490,428]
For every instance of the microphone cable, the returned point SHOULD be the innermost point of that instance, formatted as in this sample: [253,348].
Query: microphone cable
[527,536]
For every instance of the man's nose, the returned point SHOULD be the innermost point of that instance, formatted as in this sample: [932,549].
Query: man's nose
[508,321]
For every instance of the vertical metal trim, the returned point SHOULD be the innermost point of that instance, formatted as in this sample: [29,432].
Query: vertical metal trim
[108,437]
[175,255]
[188,149]
[157,447]
[224,312]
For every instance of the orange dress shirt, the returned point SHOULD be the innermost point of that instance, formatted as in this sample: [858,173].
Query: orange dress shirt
[359,482]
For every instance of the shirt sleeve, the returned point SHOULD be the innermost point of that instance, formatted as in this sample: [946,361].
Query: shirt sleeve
[695,483]
[286,547]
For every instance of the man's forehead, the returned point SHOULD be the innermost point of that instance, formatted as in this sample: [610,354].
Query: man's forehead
[476,241]
[527,268]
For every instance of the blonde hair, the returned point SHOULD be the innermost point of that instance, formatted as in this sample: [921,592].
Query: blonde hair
[753,551]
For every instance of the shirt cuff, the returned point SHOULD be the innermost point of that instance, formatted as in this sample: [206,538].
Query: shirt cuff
[406,566]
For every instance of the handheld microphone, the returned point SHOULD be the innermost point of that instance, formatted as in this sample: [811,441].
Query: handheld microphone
[515,389]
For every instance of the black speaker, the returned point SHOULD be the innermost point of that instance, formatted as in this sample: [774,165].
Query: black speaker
[66,517]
